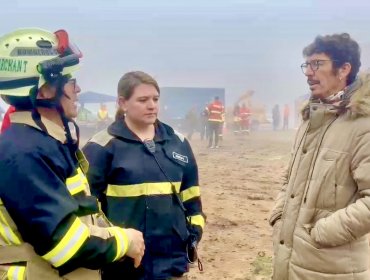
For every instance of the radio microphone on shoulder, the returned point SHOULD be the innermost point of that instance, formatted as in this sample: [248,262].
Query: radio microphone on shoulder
[149,145]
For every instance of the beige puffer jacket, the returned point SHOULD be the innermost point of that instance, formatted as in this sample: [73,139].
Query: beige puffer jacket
[322,214]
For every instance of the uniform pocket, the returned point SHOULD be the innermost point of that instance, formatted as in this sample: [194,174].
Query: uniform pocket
[276,235]
[326,197]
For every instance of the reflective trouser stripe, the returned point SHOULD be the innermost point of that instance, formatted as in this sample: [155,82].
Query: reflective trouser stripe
[69,245]
[122,241]
[190,193]
[197,220]
[17,272]
[6,232]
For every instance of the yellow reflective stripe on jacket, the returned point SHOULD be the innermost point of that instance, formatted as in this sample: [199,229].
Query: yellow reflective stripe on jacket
[197,220]
[16,272]
[69,245]
[83,177]
[76,183]
[142,189]
[121,241]
[6,232]
[190,193]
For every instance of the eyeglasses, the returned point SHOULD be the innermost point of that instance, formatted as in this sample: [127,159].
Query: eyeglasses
[314,65]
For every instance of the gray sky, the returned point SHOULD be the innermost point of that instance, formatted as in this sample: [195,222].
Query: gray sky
[238,45]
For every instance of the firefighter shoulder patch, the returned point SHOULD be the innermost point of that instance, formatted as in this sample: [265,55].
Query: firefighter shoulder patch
[180,157]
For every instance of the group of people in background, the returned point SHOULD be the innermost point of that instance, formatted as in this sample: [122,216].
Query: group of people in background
[241,119]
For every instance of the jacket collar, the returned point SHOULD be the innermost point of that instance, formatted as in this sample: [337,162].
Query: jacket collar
[54,130]
[119,129]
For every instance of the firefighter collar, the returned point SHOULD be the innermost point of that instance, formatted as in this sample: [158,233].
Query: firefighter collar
[120,129]
[54,130]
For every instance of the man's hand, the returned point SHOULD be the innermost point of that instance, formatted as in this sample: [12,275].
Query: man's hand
[136,246]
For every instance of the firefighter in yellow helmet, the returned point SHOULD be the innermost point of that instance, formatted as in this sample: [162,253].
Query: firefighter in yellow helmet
[50,225]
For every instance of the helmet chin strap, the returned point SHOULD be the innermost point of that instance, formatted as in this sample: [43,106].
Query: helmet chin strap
[73,145]
[55,104]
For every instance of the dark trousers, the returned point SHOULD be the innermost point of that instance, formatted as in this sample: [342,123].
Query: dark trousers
[214,130]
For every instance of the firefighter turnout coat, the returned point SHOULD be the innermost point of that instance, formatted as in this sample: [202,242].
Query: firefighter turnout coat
[48,223]
[138,192]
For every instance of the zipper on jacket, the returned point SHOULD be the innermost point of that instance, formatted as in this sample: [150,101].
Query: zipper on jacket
[317,150]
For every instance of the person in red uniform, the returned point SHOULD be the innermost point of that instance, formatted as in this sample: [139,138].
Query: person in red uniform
[244,119]
[215,120]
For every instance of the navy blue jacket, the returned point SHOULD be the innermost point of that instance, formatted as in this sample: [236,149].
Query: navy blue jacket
[44,192]
[135,192]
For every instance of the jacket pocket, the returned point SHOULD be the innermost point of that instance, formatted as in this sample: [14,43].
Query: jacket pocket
[276,235]
[326,196]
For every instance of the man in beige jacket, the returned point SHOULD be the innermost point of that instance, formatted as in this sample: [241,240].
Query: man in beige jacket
[322,213]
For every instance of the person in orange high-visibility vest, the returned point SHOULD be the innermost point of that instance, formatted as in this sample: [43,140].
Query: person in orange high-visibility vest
[215,120]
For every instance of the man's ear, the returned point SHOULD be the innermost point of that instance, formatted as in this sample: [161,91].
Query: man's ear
[46,92]
[344,70]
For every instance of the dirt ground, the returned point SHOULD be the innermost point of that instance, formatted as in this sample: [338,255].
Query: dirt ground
[239,182]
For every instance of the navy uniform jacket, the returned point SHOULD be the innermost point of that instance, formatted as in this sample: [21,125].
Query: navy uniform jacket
[45,199]
[135,193]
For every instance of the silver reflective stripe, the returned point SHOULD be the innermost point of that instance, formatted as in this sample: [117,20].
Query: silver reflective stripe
[75,184]
[6,231]
[16,272]
[69,245]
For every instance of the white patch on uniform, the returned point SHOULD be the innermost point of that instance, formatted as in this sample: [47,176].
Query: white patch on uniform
[180,157]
